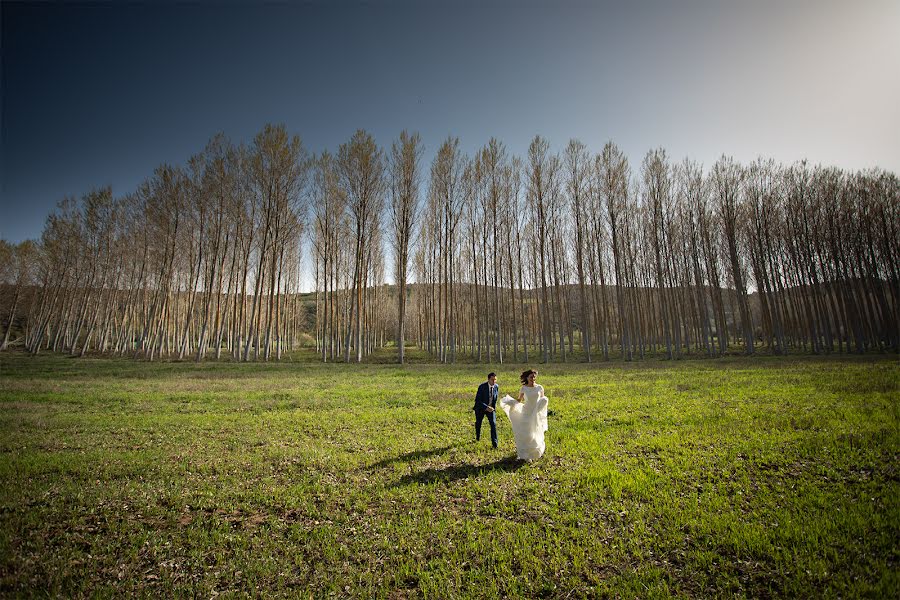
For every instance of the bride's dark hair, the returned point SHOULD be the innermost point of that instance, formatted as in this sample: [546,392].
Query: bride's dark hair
[525,374]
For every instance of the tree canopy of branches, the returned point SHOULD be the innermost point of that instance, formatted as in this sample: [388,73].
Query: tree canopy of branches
[562,256]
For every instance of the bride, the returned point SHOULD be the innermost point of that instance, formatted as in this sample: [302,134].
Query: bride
[528,418]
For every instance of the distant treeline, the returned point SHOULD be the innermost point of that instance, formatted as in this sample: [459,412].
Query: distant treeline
[569,256]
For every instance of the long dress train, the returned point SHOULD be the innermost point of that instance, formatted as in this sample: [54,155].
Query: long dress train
[528,420]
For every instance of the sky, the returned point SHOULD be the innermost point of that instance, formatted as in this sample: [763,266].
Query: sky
[98,94]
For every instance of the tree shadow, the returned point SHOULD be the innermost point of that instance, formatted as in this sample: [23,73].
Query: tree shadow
[411,456]
[457,472]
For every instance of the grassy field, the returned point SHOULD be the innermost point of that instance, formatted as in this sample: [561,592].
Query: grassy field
[758,477]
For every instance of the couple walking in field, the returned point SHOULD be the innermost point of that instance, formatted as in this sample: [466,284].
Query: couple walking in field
[527,413]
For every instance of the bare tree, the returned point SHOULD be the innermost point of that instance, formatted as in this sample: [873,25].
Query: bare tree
[578,164]
[361,167]
[404,207]
[727,177]
[17,264]
[543,169]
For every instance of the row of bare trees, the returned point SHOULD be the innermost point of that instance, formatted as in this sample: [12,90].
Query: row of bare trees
[553,256]
[202,258]
[571,254]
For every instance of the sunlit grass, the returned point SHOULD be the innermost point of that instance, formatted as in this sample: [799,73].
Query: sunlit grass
[755,477]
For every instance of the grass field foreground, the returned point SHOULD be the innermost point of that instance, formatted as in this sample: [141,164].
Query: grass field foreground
[758,477]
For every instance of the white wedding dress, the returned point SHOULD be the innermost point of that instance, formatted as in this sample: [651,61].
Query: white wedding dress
[528,420]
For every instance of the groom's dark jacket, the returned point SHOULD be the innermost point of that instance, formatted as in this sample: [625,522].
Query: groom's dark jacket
[486,396]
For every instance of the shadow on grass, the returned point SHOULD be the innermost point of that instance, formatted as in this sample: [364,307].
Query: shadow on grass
[457,472]
[411,456]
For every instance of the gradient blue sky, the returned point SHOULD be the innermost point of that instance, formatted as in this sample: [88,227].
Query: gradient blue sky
[97,94]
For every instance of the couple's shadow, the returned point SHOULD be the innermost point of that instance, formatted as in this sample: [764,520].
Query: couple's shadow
[412,456]
[449,473]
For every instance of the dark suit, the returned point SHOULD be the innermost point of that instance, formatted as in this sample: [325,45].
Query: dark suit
[486,396]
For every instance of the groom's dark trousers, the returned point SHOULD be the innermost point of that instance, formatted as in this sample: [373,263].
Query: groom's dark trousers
[486,396]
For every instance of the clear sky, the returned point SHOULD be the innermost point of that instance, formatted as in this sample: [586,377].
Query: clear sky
[100,94]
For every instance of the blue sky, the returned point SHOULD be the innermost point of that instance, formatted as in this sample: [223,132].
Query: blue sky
[100,94]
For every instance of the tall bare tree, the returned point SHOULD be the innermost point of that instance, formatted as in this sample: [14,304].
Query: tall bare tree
[361,166]
[404,208]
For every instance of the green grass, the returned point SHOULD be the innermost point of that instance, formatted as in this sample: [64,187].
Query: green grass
[748,477]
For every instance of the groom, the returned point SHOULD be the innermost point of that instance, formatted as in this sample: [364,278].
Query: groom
[486,405]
